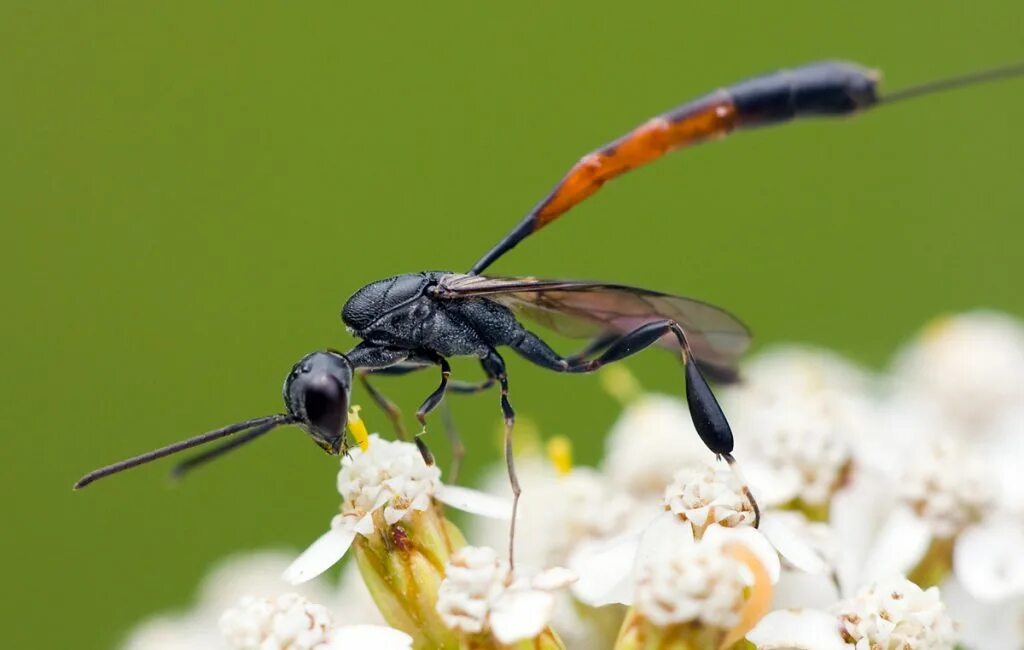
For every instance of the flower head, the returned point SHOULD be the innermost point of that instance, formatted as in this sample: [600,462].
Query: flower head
[896,614]
[892,614]
[971,366]
[796,416]
[708,494]
[390,477]
[701,585]
[946,487]
[286,622]
[232,579]
[290,622]
[480,596]
[713,590]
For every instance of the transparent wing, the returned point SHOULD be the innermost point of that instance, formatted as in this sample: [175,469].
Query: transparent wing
[587,309]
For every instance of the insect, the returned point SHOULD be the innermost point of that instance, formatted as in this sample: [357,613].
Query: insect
[415,321]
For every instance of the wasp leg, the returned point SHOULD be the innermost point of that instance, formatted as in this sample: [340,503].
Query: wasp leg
[708,417]
[494,366]
[390,409]
[374,361]
[454,441]
[598,344]
[429,405]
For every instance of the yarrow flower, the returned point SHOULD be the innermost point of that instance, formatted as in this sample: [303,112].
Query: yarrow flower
[946,488]
[290,622]
[391,514]
[795,417]
[705,593]
[481,598]
[971,366]
[232,579]
[699,499]
[705,495]
[392,479]
[893,614]
[571,505]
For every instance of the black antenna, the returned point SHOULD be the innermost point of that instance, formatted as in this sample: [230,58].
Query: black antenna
[142,459]
[950,83]
[204,457]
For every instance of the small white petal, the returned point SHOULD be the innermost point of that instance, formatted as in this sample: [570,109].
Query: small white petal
[377,637]
[780,530]
[752,539]
[900,545]
[797,630]
[520,614]
[989,560]
[553,578]
[665,534]
[772,485]
[799,590]
[474,501]
[982,624]
[605,570]
[322,554]
[364,526]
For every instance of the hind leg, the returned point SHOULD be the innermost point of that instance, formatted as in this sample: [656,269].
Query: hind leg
[708,418]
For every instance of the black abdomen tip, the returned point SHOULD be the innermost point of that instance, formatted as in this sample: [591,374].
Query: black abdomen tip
[816,89]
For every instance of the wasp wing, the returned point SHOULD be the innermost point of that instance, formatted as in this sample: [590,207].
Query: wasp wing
[587,309]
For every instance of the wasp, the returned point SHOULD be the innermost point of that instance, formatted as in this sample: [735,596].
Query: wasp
[416,321]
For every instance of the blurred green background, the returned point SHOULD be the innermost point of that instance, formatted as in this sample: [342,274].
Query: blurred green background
[191,190]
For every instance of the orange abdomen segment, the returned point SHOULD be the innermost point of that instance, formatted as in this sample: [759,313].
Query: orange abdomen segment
[709,117]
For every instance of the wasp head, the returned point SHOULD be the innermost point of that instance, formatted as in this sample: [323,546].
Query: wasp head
[316,393]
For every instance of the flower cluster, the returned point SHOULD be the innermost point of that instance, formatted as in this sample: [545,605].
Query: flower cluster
[891,518]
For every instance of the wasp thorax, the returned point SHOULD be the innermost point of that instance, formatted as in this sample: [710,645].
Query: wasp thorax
[317,393]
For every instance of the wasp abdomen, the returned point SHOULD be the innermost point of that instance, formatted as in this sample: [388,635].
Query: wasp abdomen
[818,89]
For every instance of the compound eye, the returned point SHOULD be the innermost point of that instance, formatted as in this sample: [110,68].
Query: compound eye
[326,406]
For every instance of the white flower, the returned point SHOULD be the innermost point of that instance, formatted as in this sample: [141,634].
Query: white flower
[944,495]
[569,508]
[254,573]
[971,366]
[718,587]
[894,614]
[286,622]
[392,477]
[984,625]
[699,583]
[794,418]
[652,439]
[809,553]
[479,594]
[608,570]
[563,508]
[708,494]
[946,487]
[699,499]
[290,622]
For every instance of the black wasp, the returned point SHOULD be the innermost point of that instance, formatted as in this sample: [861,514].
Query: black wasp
[419,320]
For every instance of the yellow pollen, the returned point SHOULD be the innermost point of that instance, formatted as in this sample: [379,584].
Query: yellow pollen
[936,328]
[357,428]
[560,454]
